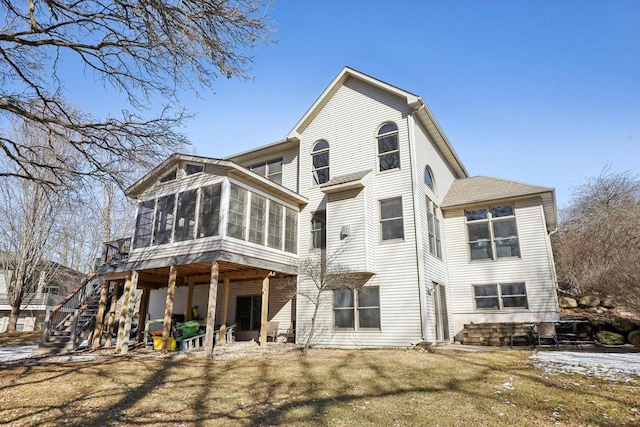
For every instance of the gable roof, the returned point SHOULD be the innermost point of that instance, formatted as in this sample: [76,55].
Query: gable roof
[232,170]
[420,108]
[481,189]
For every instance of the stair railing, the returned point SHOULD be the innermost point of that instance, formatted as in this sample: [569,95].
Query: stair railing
[75,300]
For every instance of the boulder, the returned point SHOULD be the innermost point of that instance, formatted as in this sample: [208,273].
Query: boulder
[589,301]
[567,302]
[623,325]
[608,302]
[610,338]
[634,337]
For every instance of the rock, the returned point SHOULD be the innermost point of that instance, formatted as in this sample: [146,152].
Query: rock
[566,302]
[623,325]
[589,301]
[634,337]
[610,338]
[608,302]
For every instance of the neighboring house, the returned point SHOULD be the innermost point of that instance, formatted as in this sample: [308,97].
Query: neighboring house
[53,284]
[367,174]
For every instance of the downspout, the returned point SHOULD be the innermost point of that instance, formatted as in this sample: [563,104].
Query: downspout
[417,228]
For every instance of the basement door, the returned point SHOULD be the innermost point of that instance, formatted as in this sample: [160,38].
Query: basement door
[442,318]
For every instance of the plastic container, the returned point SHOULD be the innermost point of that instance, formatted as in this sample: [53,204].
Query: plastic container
[190,329]
[157,343]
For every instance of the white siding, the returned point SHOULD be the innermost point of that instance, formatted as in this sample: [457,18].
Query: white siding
[348,122]
[533,268]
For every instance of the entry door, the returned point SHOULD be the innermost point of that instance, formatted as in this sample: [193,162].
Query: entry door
[442,318]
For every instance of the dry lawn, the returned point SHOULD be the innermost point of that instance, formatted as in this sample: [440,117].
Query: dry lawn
[325,388]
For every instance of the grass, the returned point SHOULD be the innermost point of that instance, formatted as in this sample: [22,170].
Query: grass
[325,388]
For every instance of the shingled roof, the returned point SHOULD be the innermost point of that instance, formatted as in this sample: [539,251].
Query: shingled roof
[483,188]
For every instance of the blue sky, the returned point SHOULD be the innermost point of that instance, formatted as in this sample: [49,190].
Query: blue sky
[544,92]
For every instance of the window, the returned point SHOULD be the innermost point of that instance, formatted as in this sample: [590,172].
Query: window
[320,162]
[144,224]
[500,296]
[237,203]
[248,312]
[319,230]
[356,309]
[492,233]
[271,169]
[186,216]
[428,178]
[164,220]
[257,219]
[209,219]
[435,242]
[275,225]
[388,147]
[170,176]
[193,169]
[391,219]
[291,231]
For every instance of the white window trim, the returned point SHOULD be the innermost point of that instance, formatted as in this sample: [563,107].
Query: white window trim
[356,318]
[490,220]
[380,221]
[500,297]
[397,150]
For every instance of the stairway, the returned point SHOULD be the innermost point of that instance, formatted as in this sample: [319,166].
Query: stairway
[71,321]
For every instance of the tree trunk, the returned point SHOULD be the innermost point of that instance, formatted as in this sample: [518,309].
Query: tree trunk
[13,319]
[312,331]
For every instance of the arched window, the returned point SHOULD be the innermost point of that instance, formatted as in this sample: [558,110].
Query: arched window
[428,178]
[388,147]
[320,162]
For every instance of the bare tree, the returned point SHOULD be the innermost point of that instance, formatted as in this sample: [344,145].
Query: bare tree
[598,245]
[148,51]
[317,277]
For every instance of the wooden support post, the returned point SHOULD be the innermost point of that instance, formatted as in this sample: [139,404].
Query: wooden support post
[225,305]
[188,309]
[97,330]
[123,312]
[117,293]
[168,308]
[144,309]
[211,310]
[264,318]
[128,309]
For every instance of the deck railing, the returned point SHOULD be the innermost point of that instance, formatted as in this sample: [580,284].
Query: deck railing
[116,250]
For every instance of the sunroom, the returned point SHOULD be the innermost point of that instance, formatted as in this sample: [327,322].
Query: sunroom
[203,221]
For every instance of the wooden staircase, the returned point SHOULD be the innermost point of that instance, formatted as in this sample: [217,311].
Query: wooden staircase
[71,321]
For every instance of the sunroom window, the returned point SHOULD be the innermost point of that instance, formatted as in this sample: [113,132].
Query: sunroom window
[257,218]
[164,220]
[144,224]
[492,232]
[237,204]
[209,218]
[186,216]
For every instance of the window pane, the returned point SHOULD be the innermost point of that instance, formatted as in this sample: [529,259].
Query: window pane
[513,289]
[392,229]
[387,143]
[390,161]
[237,202]
[257,219]
[143,224]
[191,169]
[321,145]
[505,228]
[256,312]
[275,166]
[164,220]
[369,296]
[319,230]
[170,176]
[342,298]
[485,290]
[438,239]
[343,318]
[260,169]
[369,318]
[499,211]
[291,231]
[321,160]
[481,250]
[391,208]
[388,127]
[511,302]
[479,231]
[320,176]
[427,178]
[275,225]
[186,216]
[209,219]
[487,303]
[507,248]
[476,214]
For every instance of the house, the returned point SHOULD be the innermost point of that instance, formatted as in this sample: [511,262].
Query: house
[53,282]
[367,178]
